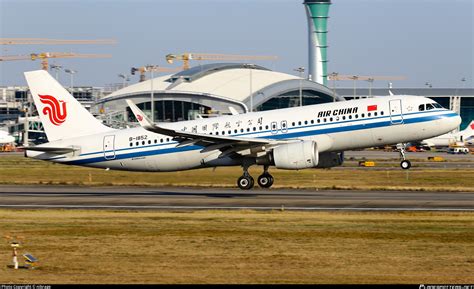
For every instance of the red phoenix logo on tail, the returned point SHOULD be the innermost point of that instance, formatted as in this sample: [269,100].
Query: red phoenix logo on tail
[54,109]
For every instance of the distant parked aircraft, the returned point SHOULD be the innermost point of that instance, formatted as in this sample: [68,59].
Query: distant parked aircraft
[464,136]
[5,138]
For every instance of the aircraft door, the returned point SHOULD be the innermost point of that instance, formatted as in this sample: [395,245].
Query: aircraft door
[109,147]
[396,115]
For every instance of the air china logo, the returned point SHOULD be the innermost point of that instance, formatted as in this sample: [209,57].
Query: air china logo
[139,117]
[54,109]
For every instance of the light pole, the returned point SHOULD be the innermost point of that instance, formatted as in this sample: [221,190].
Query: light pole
[301,71]
[371,81]
[334,76]
[125,78]
[355,77]
[57,68]
[71,72]
[152,68]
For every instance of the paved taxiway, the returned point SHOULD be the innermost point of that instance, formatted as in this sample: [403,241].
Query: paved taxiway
[218,198]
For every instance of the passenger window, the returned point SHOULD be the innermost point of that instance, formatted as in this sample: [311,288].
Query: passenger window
[149,141]
[369,114]
[375,113]
[343,117]
[143,142]
[324,119]
[299,122]
[362,115]
[241,130]
[131,144]
[137,143]
[356,116]
[305,122]
[293,124]
[381,113]
[319,120]
[229,132]
[312,121]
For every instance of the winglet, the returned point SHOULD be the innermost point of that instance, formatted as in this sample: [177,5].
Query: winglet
[143,120]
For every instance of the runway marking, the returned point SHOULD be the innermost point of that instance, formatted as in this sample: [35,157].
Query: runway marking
[236,208]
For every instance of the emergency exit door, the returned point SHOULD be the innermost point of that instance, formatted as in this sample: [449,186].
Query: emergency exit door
[396,115]
[109,147]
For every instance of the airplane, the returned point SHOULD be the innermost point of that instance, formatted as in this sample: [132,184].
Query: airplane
[464,136]
[5,138]
[313,136]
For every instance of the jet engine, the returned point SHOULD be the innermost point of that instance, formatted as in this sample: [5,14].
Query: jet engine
[303,155]
[296,156]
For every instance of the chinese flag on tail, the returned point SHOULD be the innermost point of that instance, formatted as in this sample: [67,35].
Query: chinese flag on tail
[371,107]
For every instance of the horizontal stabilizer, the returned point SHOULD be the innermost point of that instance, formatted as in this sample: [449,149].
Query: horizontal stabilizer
[51,150]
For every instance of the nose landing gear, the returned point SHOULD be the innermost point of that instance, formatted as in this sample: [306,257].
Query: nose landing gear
[404,164]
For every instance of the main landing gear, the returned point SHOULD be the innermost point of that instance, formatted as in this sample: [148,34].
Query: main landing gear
[246,182]
[404,164]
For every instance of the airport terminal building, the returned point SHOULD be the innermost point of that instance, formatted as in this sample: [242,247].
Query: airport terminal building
[209,90]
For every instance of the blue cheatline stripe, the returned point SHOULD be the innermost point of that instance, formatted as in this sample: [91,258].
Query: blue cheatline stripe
[273,135]
[282,136]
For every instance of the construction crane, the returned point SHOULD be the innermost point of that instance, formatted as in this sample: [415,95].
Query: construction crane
[46,55]
[185,57]
[144,69]
[45,41]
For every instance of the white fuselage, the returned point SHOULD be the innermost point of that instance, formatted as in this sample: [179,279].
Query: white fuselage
[335,127]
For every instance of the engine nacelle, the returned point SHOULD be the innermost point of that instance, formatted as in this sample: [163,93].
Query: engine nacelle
[296,156]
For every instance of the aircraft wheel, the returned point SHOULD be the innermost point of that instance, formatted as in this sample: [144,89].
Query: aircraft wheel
[245,182]
[265,180]
[405,164]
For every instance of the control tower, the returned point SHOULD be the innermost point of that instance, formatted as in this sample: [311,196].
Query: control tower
[317,13]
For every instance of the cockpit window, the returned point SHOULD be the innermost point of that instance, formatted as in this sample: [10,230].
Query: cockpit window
[421,107]
[437,105]
[429,106]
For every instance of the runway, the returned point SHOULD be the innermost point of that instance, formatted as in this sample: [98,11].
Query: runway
[136,198]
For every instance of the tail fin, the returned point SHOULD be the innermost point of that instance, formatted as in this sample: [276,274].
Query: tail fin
[61,114]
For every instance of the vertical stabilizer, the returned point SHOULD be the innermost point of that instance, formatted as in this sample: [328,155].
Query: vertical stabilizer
[61,114]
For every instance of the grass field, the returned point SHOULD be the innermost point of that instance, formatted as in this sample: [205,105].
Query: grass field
[240,247]
[19,170]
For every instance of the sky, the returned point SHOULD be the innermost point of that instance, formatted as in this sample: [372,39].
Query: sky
[422,40]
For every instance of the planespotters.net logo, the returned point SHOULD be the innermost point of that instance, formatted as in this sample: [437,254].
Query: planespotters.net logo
[55,109]
[447,286]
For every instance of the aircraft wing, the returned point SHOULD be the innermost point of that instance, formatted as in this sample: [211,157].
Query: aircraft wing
[226,144]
